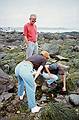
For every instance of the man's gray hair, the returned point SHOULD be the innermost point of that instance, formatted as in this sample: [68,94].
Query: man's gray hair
[33,15]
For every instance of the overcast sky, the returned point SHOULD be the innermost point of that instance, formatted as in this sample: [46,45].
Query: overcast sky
[50,13]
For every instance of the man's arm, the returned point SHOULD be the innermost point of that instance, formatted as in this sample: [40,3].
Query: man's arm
[63,79]
[26,40]
[47,69]
[25,34]
[51,75]
[38,71]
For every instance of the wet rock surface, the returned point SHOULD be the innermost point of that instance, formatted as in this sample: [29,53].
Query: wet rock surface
[74,99]
[5,83]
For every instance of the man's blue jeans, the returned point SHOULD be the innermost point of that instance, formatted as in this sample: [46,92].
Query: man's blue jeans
[23,72]
[32,48]
[50,79]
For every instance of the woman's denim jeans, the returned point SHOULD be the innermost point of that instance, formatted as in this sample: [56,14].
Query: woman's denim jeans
[23,72]
[50,79]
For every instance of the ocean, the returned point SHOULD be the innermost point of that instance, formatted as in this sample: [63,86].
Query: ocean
[40,29]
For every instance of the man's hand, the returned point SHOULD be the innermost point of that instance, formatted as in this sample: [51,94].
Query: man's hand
[26,40]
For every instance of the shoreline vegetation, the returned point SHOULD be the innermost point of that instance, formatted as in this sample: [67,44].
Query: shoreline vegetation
[63,48]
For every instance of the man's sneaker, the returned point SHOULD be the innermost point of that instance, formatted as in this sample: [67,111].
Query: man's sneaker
[21,97]
[35,109]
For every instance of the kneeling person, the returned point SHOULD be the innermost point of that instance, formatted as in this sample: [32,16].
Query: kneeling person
[52,72]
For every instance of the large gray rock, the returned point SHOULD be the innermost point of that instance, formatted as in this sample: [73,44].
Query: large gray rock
[61,58]
[5,96]
[74,99]
[2,55]
[77,83]
[52,48]
[5,83]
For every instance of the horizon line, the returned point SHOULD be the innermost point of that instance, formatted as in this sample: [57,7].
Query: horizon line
[41,27]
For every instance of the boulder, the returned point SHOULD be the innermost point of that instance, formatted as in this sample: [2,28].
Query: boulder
[74,99]
[2,55]
[5,96]
[59,57]
[77,83]
[5,83]
[52,48]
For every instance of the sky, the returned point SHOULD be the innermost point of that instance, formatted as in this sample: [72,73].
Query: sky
[50,13]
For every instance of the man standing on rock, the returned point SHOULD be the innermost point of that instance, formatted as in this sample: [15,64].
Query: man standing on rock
[30,36]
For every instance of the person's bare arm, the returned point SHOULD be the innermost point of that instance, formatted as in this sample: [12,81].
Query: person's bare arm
[63,79]
[26,40]
[25,34]
[47,69]
[38,71]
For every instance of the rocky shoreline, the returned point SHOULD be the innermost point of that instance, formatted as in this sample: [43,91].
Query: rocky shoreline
[63,48]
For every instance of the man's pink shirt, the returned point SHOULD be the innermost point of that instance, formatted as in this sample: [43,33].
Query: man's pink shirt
[30,31]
